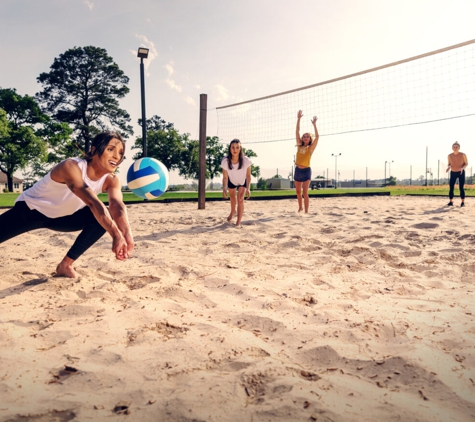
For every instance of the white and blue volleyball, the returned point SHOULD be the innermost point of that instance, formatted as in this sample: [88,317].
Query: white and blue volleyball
[148,178]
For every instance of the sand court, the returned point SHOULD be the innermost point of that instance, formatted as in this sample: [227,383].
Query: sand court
[361,310]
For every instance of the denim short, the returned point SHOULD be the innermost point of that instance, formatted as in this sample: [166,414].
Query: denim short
[302,175]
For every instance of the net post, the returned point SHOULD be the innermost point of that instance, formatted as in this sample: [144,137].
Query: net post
[202,153]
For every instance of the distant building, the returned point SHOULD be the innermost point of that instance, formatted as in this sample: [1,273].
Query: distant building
[275,183]
[17,184]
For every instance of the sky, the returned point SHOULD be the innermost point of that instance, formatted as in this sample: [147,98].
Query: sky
[236,51]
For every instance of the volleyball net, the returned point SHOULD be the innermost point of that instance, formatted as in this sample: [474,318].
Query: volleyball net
[430,87]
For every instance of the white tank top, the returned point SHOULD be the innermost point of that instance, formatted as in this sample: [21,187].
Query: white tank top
[55,199]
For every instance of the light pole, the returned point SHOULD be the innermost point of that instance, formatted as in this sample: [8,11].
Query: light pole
[336,159]
[142,53]
[427,160]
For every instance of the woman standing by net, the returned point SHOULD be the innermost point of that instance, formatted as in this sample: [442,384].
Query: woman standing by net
[303,173]
[457,163]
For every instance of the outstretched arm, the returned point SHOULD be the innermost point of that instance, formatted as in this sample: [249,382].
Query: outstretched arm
[225,183]
[68,172]
[315,141]
[297,130]
[248,182]
[118,212]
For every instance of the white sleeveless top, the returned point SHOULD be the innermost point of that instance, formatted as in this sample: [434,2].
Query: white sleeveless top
[55,199]
[237,175]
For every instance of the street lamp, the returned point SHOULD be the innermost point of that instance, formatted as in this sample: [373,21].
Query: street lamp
[142,53]
[385,180]
[336,159]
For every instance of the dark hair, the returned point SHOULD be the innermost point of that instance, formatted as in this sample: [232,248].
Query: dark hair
[241,155]
[100,142]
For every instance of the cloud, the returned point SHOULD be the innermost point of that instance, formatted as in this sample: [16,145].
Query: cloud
[89,4]
[189,100]
[222,93]
[152,54]
[171,83]
[170,69]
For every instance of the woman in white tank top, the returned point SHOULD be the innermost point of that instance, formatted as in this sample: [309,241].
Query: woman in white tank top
[66,200]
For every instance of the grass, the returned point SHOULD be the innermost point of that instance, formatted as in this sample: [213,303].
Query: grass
[8,199]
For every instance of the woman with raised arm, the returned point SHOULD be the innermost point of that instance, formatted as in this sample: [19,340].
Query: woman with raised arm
[65,200]
[457,163]
[303,173]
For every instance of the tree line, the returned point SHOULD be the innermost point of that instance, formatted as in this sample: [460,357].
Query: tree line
[79,99]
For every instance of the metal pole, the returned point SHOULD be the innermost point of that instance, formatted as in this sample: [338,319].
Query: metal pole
[336,180]
[427,158]
[202,153]
[438,171]
[144,121]
[410,176]
[385,172]
[366,176]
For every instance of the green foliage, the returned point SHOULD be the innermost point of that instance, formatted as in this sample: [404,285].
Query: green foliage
[175,188]
[59,147]
[82,89]
[255,170]
[20,141]
[261,184]
[215,151]
[391,181]
[163,143]
[3,124]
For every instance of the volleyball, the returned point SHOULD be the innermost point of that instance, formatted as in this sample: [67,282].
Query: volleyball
[148,178]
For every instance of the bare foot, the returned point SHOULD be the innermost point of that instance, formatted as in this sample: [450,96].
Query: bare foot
[231,216]
[65,269]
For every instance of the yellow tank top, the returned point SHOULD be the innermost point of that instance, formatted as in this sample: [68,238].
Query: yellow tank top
[303,157]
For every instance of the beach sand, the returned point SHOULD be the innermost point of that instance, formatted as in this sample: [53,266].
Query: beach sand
[362,310]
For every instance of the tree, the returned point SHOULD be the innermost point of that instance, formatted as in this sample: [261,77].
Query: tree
[215,151]
[255,170]
[391,181]
[3,124]
[59,147]
[20,142]
[261,184]
[82,89]
[156,123]
[163,143]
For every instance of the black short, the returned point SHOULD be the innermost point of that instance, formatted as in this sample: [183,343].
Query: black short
[232,186]
[302,175]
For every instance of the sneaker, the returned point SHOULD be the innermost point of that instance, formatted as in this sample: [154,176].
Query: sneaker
[450,204]
[462,204]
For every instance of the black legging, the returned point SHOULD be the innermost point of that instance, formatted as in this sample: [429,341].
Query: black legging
[454,175]
[20,219]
